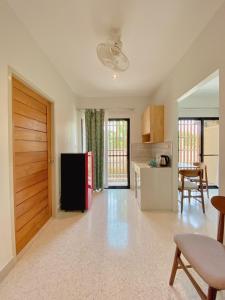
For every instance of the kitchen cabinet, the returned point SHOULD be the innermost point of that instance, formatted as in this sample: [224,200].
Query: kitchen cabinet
[153,124]
[152,187]
[146,121]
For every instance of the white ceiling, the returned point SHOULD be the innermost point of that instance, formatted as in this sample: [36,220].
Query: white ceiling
[206,96]
[155,34]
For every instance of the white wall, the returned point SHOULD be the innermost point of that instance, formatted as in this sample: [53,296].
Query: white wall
[198,113]
[120,107]
[200,105]
[204,57]
[19,52]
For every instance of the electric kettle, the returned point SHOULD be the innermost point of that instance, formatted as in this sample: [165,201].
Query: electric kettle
[164,161]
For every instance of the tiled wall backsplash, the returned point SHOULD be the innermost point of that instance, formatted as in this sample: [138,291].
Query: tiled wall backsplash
[144,152]
[163,148]
[140,152]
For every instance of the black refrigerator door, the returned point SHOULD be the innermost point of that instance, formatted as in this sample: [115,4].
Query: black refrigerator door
[73,182]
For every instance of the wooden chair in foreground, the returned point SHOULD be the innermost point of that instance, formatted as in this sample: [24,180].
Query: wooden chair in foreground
[185,184]
[205,255]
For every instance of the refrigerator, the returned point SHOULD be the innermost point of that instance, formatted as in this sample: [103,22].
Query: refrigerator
[76,181]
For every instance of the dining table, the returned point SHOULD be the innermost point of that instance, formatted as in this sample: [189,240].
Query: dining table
[186,165]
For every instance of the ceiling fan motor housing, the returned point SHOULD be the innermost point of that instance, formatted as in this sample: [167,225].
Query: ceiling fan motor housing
[111,56]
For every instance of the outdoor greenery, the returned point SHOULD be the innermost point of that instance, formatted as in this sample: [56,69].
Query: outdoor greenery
[117,135]
[117,151]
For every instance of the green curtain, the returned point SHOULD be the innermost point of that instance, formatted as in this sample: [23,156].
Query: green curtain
[94,120]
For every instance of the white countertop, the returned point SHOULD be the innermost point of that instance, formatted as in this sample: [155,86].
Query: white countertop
[143,165]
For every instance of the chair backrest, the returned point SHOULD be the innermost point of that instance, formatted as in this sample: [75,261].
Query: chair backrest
[202,165]
[191,173]
[219,203]
[197,164]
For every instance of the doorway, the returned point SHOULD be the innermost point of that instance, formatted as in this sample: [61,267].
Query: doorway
[198,141]
[32,166]
[198,132]
[118,153]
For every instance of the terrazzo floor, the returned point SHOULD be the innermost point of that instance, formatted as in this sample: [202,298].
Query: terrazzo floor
[114,251]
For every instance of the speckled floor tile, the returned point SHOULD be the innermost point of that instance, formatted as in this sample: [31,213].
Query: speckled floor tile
[114,251]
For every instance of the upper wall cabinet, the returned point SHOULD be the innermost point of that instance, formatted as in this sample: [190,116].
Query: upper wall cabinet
[153,124]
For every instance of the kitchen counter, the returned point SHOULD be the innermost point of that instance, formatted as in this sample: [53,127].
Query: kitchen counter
[152,186]
[141,164]
[146,165]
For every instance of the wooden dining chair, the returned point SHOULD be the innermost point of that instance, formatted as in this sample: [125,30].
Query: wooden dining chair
[205,255]
[185,184]
[203,166]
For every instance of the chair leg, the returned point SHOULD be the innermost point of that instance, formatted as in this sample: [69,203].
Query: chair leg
[206,181]
[202,198]
[175,266]
[207,189]
[203,205]
[211,293]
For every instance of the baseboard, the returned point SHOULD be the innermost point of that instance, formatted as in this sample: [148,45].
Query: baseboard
[7,268]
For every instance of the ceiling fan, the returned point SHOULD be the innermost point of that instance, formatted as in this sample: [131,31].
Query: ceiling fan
[111,55]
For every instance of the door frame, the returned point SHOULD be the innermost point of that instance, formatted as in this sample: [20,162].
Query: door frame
[201,119]
[12,73]
[128,152]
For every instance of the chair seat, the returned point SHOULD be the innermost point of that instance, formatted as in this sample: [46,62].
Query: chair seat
[206,256]
[188,185]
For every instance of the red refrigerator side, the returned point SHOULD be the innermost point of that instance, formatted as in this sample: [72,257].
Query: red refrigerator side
[89,178]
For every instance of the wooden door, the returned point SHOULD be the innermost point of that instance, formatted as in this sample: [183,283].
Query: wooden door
[32,158]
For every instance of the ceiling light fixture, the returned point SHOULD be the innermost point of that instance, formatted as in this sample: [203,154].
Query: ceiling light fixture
[115,76]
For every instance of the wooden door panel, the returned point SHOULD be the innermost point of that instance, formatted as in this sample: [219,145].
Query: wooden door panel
[24,122]
[28,231]
[30,146]
[18,95]
[30,202]
[29,169]
[32,151]
[26,158]
[29,92]
[31,213]
[31,225]
[30,191]
[26,111]
[30,135]
[24,182]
